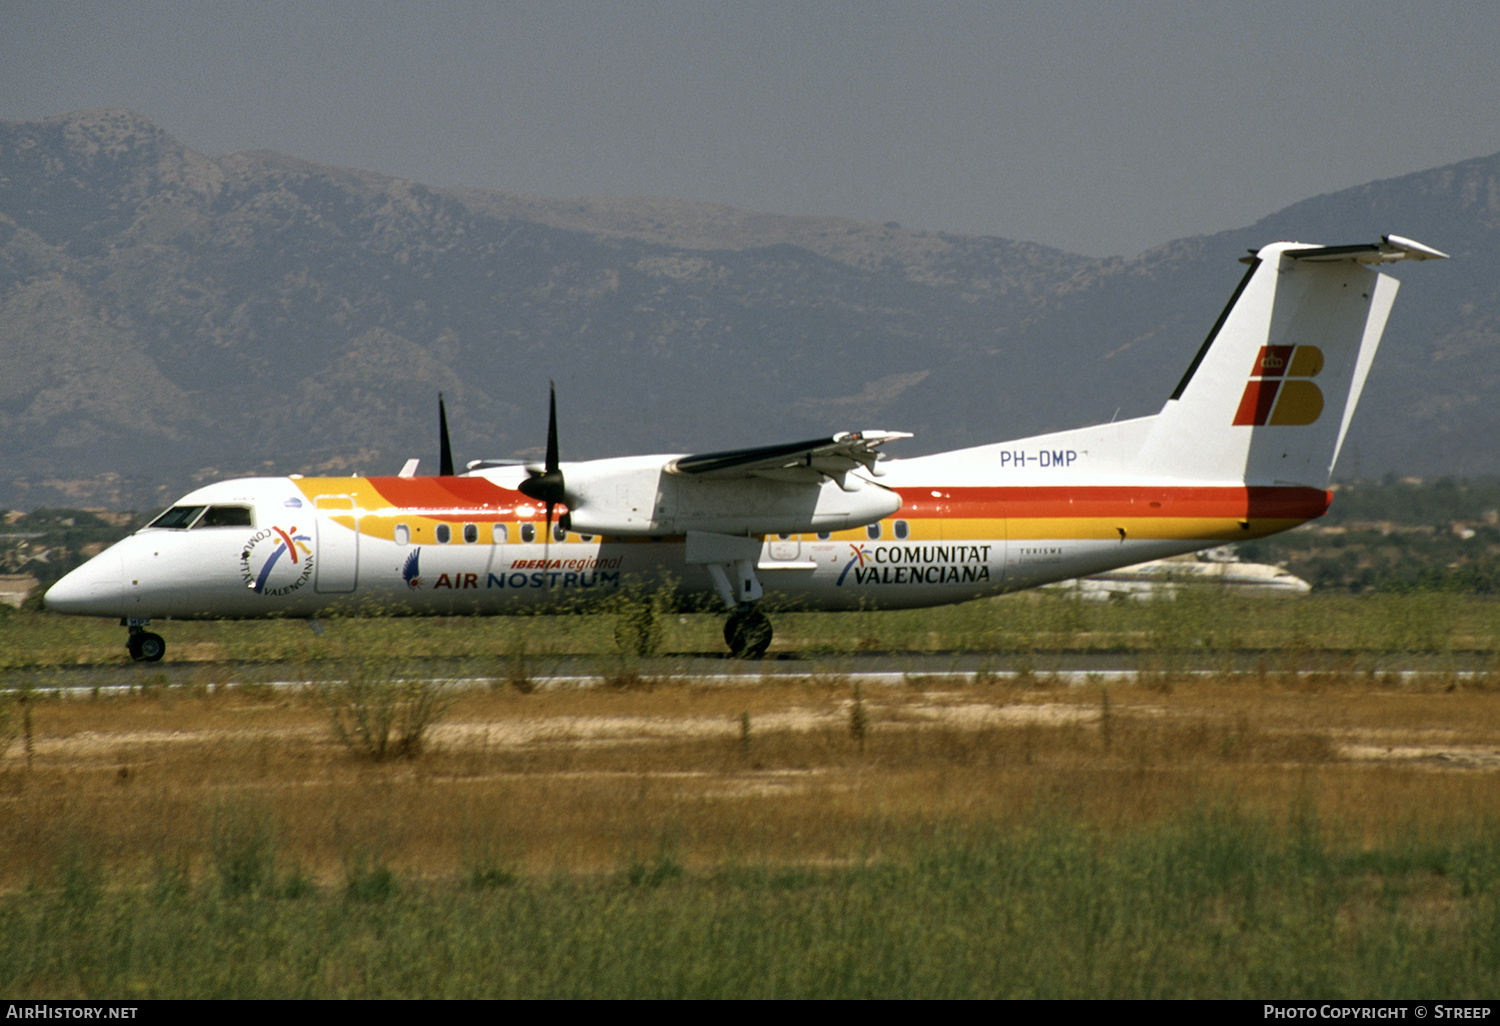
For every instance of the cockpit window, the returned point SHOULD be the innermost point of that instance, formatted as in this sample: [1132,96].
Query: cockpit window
[178,518]
[226,516]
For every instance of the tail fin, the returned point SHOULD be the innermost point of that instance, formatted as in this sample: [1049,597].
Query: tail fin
[1269,397]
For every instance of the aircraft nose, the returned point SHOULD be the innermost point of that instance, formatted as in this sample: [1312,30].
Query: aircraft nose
[96,588]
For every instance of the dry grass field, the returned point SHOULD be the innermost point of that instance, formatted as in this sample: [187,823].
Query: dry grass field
[580,779]
[1249,836]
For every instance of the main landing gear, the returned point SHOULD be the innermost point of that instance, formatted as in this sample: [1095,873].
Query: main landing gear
[730,561]
[143,646]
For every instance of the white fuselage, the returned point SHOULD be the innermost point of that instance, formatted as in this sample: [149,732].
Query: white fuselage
[474,545]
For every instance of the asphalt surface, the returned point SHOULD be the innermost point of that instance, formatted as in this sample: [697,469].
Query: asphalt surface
[1073,668]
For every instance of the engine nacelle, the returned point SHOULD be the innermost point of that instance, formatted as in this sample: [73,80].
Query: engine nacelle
[633,497]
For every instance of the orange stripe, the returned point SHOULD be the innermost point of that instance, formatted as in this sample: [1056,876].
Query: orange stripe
[451,499]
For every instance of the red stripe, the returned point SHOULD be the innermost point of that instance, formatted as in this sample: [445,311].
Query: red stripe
[1255,404]
[1239,503]
[291,546]
[448,497]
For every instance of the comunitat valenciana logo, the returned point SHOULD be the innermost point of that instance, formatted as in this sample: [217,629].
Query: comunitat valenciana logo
[276,561]
[1280,389]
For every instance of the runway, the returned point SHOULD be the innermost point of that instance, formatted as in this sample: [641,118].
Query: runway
[1075,669]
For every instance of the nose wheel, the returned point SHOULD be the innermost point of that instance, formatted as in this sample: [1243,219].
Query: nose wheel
[145,647]
[748,634]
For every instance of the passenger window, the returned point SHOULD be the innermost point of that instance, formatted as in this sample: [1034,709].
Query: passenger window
[403,534]
[178,518]
[872,531]
[502,534]
[226,516]
[558,534]
[824,535]
[585,538]
[528,532]
[444,534]
[902,530]
[471,533]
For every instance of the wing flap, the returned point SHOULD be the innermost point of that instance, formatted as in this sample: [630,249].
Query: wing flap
[815,458]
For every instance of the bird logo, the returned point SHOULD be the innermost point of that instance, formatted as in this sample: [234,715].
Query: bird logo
[410,571]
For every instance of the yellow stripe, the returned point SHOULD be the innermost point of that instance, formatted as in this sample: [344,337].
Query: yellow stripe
[1135,528]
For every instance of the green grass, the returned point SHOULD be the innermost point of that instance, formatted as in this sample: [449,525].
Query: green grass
[1199,621]
[1211,904]
[1208,839]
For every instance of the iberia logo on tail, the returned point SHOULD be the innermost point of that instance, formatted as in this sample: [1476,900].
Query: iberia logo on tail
[1280,389]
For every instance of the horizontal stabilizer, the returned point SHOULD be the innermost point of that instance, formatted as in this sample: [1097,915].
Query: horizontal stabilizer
[1390,248]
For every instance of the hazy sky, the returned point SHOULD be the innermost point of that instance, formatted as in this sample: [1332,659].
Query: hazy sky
[1101,128]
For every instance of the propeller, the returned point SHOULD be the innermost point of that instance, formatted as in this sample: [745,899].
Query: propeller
[445,451]
[545,483]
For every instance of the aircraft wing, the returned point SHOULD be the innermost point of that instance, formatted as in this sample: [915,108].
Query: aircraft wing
[813,459]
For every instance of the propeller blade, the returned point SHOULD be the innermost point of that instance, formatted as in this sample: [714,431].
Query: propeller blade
[552,464]
[445,451]
[545,483]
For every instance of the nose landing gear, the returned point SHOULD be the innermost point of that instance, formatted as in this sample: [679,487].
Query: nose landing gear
[145,647]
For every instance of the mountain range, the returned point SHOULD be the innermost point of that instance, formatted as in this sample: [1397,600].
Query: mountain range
[169,318]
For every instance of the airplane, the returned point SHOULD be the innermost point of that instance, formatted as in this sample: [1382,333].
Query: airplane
[1244,447]
[1163,578]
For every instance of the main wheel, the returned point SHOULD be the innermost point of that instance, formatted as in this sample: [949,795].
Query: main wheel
[748,634]
[146,647]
